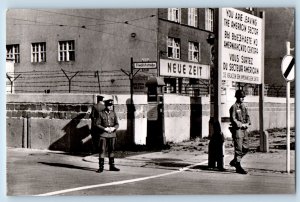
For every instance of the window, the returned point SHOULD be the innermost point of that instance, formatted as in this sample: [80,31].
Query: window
[194,51]
[170,85]
[173,48]
[66,51]
[209,19]
[13,52]
[38,52]
[192,17]
[174,14]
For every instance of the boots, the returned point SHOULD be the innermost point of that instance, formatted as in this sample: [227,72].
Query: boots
[232,163]
[112,165]
[239,168]
[101,165]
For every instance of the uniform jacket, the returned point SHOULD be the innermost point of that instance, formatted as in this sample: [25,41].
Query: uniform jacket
[104,120]
[239,115]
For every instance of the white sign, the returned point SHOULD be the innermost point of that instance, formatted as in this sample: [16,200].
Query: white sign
[152,114]
[288,67]
[184,69]
[144,65]
[240,46]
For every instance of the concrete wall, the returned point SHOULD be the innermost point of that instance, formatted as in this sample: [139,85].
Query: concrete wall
[177,117]
[61,121]
[274,112]
[186,117]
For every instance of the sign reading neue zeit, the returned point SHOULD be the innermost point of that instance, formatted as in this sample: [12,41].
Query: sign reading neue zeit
[240,46]
[183,69]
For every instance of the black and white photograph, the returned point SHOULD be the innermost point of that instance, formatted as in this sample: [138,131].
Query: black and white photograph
[150,101]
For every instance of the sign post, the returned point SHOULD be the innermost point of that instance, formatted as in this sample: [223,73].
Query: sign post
[241,53]
[288,72]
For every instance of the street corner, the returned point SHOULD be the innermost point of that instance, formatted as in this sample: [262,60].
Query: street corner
[269,163]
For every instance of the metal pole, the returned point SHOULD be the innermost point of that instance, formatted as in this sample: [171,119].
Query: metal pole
[288,127]
[131,101]
[69,79]
[70,86]
[131,81]
[288,52]
[11,87]
[99,82]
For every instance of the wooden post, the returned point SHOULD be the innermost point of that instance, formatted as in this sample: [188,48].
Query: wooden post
[263,135]
[25,133]
[215,144]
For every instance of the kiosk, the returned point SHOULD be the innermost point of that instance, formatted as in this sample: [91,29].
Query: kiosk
[155,116]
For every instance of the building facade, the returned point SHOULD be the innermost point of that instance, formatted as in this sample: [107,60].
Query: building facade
[85,51]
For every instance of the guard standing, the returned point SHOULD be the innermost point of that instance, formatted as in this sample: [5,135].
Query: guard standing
[96,109]
[107,124]
[240,122]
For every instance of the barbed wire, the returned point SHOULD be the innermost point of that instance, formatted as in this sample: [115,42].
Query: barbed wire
[114,80]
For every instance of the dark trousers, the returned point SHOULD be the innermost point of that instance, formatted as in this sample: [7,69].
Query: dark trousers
[106,144]
[241,143]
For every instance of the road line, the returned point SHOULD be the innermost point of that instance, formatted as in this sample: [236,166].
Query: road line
[120,182]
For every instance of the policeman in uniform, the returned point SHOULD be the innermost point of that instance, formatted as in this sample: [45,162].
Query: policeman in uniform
[96,109]
[240,122]
[107,124]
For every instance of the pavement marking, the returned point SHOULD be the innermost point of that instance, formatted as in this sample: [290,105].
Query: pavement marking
[120,182]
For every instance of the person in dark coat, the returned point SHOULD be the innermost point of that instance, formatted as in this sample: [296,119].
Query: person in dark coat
[107,125]
[96,109]
[240,122]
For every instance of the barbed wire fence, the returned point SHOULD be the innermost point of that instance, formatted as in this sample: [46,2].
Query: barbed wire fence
[114,81]
[271,90]
[63,81]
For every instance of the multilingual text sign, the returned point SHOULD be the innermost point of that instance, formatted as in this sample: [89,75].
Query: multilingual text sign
[240,46]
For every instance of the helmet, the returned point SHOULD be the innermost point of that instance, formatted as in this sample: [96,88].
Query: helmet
[239,94]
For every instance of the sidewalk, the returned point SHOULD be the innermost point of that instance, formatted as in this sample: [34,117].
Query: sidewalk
[272,162]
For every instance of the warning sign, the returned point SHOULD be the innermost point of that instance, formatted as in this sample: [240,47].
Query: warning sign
[288,67]
[240,46]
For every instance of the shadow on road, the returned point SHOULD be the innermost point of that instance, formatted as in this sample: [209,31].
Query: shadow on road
[67,166]
[175,163]
[260,170]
